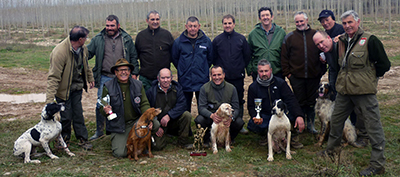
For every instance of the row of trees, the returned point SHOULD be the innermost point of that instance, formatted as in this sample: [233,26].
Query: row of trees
[46,14]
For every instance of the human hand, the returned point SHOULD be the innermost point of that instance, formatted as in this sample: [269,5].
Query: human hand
[165,120]
[160,132]
[258,121]
[299,124]
[216,118]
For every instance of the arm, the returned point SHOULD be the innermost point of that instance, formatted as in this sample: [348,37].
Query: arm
[377,55]
[250,101]
[285,58]
[180,105]
[235,104]
[133,57]
[103,94]
[246,52]
[175,53]
[202,107]
[209,52]
[54,77]
[215,53]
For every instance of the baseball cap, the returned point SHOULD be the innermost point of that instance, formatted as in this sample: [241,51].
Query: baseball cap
[326,13]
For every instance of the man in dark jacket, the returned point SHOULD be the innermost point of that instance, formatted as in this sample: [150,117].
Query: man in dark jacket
[192,57]
[128,101]
[301,65]
[167,94]
[153,46]
[111,44]
[232,52]
[327,20]
[270,88]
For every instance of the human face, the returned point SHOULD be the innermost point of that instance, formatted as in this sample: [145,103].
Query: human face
[323,43]
[301,22]
[327,23]
[228,25]
[112,28]
[217,75]
[264,72]
[192,28]
[123,73]
[350,25]
[165,78]
[153,21]
[266,19]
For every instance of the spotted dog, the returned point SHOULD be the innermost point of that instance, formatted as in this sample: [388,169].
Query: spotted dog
[41,134]
[279,131]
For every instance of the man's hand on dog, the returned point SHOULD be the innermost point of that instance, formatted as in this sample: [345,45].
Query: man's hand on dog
[218,119]
[299,123]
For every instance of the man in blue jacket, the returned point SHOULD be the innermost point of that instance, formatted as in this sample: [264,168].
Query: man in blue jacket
[232,52]
[192,57]
[167,94]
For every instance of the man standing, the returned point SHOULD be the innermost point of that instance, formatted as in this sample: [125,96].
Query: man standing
[111,44]
[232,52]
[362,60]
[128,100]
[301,65]
[212,95]
[167,94]
[192,57]
[270,88]
[153,46]
[69,73]
[327,20]
[265,41]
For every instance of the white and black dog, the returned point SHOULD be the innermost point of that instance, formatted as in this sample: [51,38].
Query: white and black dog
[279,131]
[46,130]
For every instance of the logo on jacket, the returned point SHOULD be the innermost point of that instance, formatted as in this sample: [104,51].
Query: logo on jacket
[202,47]
[137,100]
[362,41]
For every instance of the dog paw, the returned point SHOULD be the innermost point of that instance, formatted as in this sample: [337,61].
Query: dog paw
[215,151]
[52,156]
[33,161]
[151,155]
[228,149]
[270,159]
[71,154]
[288,156]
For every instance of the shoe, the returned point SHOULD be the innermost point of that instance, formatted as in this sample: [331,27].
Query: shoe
[294,143]
[325,153]
[313,131]
[86,145]
[372,171]
[263,141]
[361,142]
[244,131]
[96,136]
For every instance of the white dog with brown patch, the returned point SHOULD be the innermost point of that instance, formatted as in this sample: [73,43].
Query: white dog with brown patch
[279,130]
[220,132]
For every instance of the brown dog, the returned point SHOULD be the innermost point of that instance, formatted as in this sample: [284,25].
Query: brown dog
[220,132]
[140,134]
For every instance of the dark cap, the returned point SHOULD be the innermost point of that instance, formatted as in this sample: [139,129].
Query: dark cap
[121,62]
[326,13]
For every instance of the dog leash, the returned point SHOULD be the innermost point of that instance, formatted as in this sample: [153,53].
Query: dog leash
[143,126]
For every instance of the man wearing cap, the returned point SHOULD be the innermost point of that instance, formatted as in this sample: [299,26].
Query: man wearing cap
[327,20]
[128,100]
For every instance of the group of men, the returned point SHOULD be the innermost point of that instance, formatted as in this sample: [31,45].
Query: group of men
[269,56]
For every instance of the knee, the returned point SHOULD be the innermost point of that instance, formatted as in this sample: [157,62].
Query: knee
[119,152]
[187,116]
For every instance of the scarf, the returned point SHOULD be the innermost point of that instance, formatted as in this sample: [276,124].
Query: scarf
[265,83]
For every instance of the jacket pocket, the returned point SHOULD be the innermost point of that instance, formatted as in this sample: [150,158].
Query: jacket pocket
[357,60]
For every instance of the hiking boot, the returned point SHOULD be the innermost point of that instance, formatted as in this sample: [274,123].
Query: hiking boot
[244,131]
[361,142]
[294,143]
[86,145]
[263,141]
[372,171]
[96,136]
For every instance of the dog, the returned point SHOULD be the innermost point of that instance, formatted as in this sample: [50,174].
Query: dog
[140,135]
[323,110]
[279,131]
[41,134]
[220,132]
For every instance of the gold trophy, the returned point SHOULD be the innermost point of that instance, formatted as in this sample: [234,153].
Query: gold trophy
[198,142]
[257,102]
[106,101]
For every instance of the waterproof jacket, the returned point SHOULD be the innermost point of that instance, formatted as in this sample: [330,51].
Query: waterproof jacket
[278,89]
[154,51]
[60,75]
[232,52]
[361,64]
[336,30]
[300,56]
[261,48]
[192,62]
[174,96]
[137,97]
[96,47]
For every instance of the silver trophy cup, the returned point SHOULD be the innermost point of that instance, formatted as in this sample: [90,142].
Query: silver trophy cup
[258,102]
[104,102]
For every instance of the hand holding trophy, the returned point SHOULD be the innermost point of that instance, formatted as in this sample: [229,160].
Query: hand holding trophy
[106,101]
[257,119]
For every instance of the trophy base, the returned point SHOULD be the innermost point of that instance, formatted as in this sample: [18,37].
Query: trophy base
[112,116]
[198,153]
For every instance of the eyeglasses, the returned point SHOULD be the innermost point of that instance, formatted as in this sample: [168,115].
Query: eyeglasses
[123,70]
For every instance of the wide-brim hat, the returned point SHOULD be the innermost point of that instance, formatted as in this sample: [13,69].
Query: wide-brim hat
[326,13]
[121,62]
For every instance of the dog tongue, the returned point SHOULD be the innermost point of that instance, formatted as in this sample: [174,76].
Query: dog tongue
[321,94]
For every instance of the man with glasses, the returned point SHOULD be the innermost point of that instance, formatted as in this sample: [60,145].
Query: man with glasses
[69,73]
[153,46]
[111,44]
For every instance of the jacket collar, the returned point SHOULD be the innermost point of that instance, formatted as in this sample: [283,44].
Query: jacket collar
[155,30]
[357,35]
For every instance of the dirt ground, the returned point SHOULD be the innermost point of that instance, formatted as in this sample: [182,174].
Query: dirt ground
[34,81]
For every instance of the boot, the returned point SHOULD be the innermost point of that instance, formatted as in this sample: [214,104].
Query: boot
[99,126]
[311,120]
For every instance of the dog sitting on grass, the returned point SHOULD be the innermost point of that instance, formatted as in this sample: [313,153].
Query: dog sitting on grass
[41,134]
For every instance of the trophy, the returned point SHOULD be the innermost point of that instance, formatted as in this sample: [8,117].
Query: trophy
[198,142]
[106,99]
[257,102]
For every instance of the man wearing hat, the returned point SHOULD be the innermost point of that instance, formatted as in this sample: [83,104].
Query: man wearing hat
[128,100]
[327,20]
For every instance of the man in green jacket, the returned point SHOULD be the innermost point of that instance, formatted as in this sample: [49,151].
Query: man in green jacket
[362,60]
[111,44]
[265,41]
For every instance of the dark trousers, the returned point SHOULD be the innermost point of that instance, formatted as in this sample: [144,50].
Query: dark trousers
[73,114]
[189,97]
[239,85]
[234,129]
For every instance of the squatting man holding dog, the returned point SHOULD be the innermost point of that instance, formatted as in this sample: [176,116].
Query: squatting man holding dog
[270,88]
[362,60]
[212,95]
[109,45]
[69,74]
[128,100]
[167,94]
